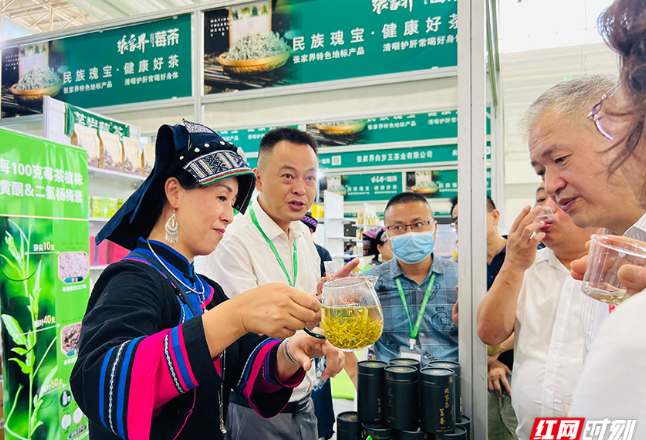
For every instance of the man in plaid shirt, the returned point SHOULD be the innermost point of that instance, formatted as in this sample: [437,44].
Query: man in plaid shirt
[417,289]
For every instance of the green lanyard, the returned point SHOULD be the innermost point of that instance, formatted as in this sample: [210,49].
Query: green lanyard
[418,322]
[275,251]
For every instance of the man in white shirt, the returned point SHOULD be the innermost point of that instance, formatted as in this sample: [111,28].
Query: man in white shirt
[535,298]
[270,244]
[572,156]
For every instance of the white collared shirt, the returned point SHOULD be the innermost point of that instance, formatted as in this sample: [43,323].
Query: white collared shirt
[593,312]
[613,384]
[548,344]
[244,260]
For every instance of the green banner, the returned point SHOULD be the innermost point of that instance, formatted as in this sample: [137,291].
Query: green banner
[44,284]
[363,187]
[276,43]
[136,63]
[441,184]
[386,129]
[389,157]
[76,115]
[248,138]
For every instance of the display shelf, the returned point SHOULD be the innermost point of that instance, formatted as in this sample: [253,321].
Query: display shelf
[100,172]
[345,220]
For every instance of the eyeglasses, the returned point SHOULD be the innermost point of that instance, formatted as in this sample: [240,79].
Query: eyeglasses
[415,227]
[596,114]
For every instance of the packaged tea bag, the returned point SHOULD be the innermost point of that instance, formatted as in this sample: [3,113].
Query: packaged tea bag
[131,156]
[87,138]
[112,151]
[149,158]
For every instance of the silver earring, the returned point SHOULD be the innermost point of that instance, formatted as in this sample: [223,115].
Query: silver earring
[172,228]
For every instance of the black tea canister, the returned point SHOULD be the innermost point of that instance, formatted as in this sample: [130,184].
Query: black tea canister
[405,362]
[414,435]
[348,426]
[458,434]
[438,399]
[455,366]
[370,391]
[401,396]
[465,422]
[377,431]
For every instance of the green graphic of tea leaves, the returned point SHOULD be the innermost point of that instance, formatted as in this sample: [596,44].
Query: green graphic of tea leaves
[19,261]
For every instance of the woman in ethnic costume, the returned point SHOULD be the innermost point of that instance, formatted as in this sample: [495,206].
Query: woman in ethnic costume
[161,347]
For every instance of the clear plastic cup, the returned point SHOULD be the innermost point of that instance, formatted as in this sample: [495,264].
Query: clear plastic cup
[606,255]
[545,215]
[332,267]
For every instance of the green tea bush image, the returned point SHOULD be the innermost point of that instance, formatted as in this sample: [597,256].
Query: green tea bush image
[27,295]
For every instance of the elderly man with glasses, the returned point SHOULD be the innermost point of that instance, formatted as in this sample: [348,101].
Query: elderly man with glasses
[572,154]
[416,288]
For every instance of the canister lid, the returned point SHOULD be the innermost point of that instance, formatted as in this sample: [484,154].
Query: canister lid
[455,366]
[405,362]
[412,435]
[463,421]
[459,433]
[437,376]
[370,367]
[376,428]
[400,373]
[348,421]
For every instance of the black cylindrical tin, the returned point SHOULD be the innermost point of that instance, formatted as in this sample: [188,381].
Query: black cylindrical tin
[414,435]
[437,394]
[455,366]
[405,362]
[401,397]
[348,426]
[377,431]
[458,434]
[370,391]
[465,422]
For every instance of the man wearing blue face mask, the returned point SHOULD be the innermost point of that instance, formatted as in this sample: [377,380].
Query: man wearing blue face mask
[416,288]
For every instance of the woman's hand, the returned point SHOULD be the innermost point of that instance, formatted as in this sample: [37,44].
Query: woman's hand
[276,310]
[303,348]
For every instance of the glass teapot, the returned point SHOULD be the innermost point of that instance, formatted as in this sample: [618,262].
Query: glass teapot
[351,314]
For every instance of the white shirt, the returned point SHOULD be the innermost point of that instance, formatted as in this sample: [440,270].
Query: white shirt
[244,260]
[549,341]
[613,384]
[593,312]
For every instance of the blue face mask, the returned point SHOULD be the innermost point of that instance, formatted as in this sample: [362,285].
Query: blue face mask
[413,247]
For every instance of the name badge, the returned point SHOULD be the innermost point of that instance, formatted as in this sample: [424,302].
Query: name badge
[409,353]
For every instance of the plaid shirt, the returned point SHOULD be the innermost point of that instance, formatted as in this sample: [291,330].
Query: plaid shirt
[438,335]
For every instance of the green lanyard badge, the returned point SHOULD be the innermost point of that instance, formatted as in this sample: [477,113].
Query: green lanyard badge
[418,322]
[275,251]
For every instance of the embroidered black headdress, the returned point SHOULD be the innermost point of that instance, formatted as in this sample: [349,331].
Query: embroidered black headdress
[192,147]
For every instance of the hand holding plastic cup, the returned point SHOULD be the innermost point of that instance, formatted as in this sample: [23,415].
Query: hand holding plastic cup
[606,255]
